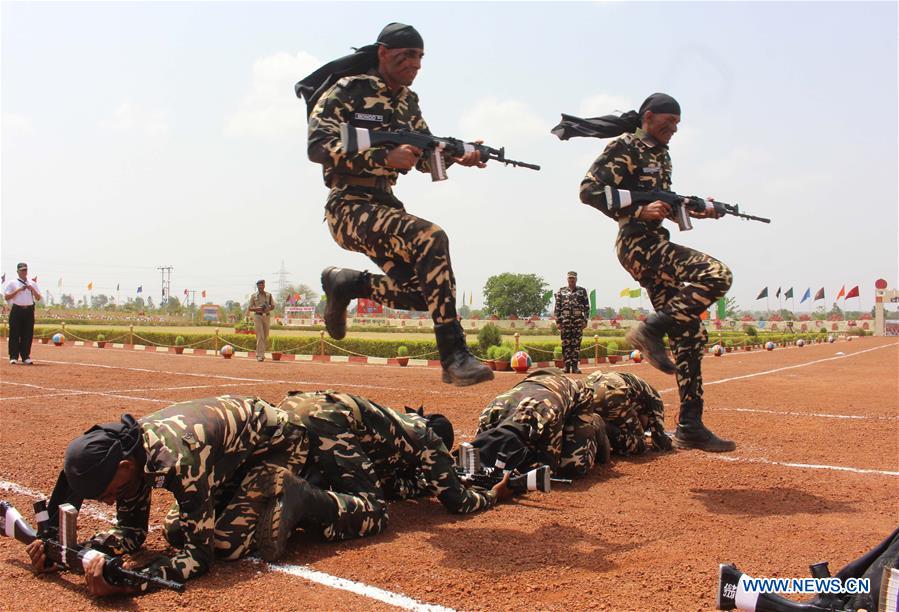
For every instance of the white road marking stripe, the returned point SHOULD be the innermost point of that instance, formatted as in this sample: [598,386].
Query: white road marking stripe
[824,415]
[808,466]
[88,392]
[301,571]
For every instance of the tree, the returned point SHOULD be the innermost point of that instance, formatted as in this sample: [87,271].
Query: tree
[173,305]
[606,312]
[786,315]
[835,311]
[465,311]
[150,305]
[67,301]
[309,296]
[731,308]
[99,301]
[523,295]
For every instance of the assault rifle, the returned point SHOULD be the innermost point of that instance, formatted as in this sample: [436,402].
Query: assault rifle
[355,140]
[61,546]
[681,205]
[734,594]
[470,471]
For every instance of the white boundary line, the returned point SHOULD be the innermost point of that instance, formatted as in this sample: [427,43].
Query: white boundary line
[808,466]
[301,571]
[87,392]
[823,415]
[151,389]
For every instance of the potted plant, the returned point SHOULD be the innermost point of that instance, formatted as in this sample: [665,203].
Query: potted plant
[612,352]
[402,355]
[491,356]
[179,345]
[101,341]
[45,340]
[276,354]
[503,359]
[557,357]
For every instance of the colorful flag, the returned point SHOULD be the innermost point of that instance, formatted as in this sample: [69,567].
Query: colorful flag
[117,286]
[297,298]
[762,294]
[852,292]
[842,292]
[140,288]
[777,295]
[722,308]
[819,295]
[635,293]
[788,294]
[185,292]
[592,303]
[806,295]
[90,286]
[625,292]
[3,278]
[203,294]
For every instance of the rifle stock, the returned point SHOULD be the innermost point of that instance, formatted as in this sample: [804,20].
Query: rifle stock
[63,549]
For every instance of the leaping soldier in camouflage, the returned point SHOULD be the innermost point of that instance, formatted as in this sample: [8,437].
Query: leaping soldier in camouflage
[376,453]
[632,410]
[572,308]
[233,465]
[681,282]
[370,89]
[549,415]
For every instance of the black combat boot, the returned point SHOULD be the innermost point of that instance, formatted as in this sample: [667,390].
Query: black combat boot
[691,433]
[459,365]
[575,369]
[340,286]
[567,368]
[648,337]
[299,502]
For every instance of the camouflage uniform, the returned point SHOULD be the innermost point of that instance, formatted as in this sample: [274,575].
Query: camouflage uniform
[362,213]
[572,308]
[558,412]
[222,458]
[621,399]
[681,282]
[375,453]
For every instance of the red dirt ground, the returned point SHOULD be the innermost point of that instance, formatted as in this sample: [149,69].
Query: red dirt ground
[639,534]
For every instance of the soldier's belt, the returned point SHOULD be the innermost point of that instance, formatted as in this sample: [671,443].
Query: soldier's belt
[376,182]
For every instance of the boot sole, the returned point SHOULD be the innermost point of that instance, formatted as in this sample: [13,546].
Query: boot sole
[330,326]
[683,445]
[273,550]
[666,367]
[466,383]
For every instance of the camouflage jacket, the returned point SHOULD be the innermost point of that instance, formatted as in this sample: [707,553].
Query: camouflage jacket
[546,402]
[409,459]
[621,399]
[572,307]
[635,162]
[194,450]
[363,101]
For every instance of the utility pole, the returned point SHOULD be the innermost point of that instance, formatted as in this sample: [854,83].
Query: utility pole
[166,283]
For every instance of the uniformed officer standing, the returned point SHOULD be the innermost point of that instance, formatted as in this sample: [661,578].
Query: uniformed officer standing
[549,415]
[261,305]
[572,310]
[681,282]
[370,89]
[22,294]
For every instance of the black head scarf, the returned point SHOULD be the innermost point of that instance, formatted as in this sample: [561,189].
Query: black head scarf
[609,126]
[393,36]
[441,426]
[93,458]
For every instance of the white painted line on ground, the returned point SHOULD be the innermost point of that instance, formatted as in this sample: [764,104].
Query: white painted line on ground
[824,415]
[388,597]
[88,392]
[792,367]
[301,571]
[807,466]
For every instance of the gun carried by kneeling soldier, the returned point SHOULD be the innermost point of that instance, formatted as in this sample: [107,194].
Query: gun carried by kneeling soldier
[681,206]
[472,473]
[62,549]
[355,140]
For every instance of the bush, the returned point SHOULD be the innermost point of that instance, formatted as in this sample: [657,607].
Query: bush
[612,348]
[101,338]
[488,336]
[402,351]
[751,331]
[179,341]
[503,353]
[557,352]
[491,351]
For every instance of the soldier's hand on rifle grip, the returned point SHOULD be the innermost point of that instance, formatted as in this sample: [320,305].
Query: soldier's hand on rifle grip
[403,157]
[502,490]
[96,582]
[472,158]
[655,211]
[710,212]
[39,563]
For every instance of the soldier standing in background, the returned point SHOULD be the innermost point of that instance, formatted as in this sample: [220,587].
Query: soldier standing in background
[370,89]
[572,309]
[261,305]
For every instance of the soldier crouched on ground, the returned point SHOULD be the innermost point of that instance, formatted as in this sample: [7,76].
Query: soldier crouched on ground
[551,416]
[633,412]
[373,453]
[223,458]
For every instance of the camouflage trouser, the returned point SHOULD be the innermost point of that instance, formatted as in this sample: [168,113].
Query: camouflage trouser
[571,343]
[569,449]
[238,505]
[622,399]
[412,252]
[682,283]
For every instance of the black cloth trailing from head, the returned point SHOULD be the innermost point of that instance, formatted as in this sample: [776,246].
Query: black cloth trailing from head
[92,459]
[441,426]
[505,442]
[393,36]
[609,126]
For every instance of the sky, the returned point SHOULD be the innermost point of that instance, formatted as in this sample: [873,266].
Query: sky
[140,135]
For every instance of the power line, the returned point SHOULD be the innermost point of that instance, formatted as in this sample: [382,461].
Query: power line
[166,283]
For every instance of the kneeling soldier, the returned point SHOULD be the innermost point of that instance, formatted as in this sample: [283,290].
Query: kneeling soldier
[550,415]
[632,410]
